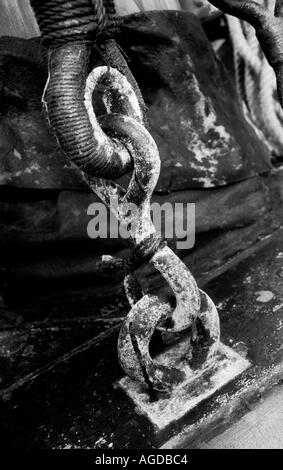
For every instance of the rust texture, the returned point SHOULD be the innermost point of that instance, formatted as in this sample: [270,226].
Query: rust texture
[194,312]
[104,150]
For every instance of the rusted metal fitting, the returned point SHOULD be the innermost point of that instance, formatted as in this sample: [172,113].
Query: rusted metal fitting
[137,331]
[194,311]
[124,122]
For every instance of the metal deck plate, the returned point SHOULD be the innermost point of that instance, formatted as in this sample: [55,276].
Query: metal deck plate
[225,367]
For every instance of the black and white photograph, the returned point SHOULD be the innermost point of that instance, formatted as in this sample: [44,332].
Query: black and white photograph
[141,230]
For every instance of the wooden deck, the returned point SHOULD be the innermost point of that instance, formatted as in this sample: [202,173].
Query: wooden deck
[56,382]
[261,428]
[67,399]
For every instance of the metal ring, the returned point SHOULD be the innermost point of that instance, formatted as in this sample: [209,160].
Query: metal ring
[136,333]
[147,313]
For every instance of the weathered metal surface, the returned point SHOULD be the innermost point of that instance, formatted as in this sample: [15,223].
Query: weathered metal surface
[52,410]
[195,315]
[253,326]
[193,390]
[166,373]
[124,120]
[263,295]
[133,209]
[31,219]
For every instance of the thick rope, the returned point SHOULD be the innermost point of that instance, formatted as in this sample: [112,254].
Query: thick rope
[255,82]
[62,21]
[82,21]
[71,113]
[118,268]
[94,154]
[70,28]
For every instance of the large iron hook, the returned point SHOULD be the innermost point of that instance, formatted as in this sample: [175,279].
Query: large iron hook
[123,121]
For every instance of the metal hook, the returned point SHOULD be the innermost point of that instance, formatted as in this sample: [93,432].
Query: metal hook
[149,312]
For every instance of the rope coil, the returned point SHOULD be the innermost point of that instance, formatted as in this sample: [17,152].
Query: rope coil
[105,148]
[62,21]
[256,82]
[266,17]
[119,268]
[72,25]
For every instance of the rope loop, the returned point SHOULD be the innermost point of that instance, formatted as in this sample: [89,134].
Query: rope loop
[119,268]
[106,147]
[256,51]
